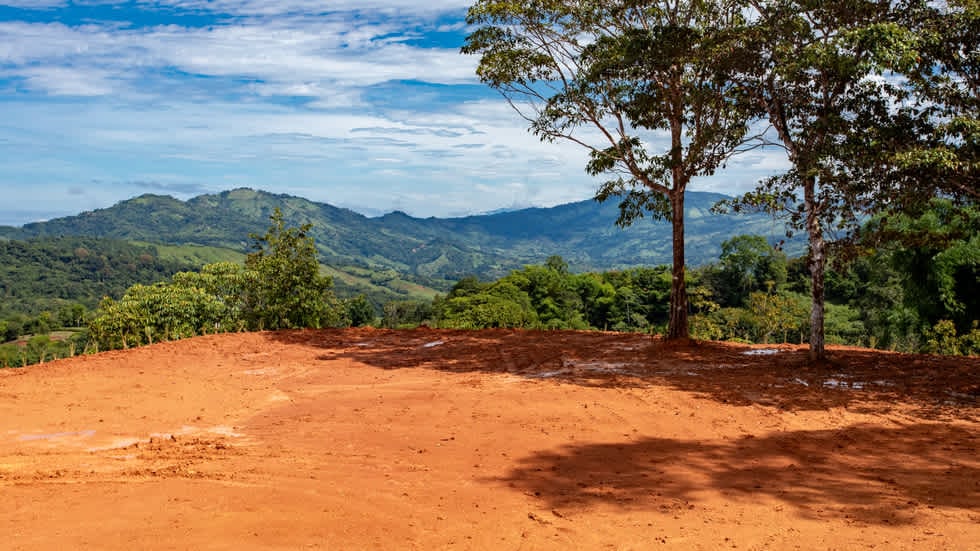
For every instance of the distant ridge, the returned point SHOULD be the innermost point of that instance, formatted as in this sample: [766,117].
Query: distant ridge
[433,251]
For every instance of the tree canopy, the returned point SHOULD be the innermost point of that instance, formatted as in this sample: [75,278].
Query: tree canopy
[610,76]
[854,91]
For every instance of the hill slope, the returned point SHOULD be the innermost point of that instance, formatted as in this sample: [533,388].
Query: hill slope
[47,272]
[432,251]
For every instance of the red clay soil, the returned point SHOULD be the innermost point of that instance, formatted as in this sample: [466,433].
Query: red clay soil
[371,439]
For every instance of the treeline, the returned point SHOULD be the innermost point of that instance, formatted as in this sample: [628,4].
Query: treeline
[914,291]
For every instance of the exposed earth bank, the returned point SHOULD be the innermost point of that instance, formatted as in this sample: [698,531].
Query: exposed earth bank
[425,439]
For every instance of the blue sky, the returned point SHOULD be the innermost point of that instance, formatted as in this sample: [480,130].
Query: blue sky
[365,104]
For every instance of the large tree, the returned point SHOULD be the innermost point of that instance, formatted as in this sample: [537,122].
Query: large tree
[824,74]
[641,85]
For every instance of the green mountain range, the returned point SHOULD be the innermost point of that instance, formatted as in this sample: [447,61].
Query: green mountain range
[411,255]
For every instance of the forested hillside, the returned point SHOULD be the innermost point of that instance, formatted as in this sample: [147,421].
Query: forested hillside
[432,252]
[54,283]
[45,273]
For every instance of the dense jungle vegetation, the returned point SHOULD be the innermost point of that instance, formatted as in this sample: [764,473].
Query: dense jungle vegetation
[911,288]
[913,291]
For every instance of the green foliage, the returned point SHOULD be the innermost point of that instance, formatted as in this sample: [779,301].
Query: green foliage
[551,297]
[774,314]
[151,313]
[970,342]
[942,152]
[598,296]
[869,304]
[52,273]
[844,325]
[11,329]
[706,328]
[816,70]
[546,291]
[359,311]
[288,290]
[499,305]
[42,348]
[937,254]
[770,316]
[279,287]
[942,338]
[408,313]
[51,283]
[747,264]
[623,71]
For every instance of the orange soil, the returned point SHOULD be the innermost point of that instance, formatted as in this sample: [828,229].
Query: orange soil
[371,439]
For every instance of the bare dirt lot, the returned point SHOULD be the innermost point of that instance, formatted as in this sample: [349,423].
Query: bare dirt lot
[371,439]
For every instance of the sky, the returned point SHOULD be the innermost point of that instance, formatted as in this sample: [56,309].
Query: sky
[364,104]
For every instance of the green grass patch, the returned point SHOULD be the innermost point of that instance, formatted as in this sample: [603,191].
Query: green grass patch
[196,254]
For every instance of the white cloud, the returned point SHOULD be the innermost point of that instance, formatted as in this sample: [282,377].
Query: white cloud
[272,7]
[281,7]
[313,57]
[281,96]
[338,150]
[67,81]
[33,4]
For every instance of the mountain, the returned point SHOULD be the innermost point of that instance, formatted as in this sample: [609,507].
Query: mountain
[431,251]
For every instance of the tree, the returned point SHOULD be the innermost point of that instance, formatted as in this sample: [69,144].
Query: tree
[500,304]
[231,284]
[597,297]
[923,142]
[945,86]
[280,287]
[360,311]
[609,76]
[549,288]
[72,315]
[408,313]
[816,74]
[747,263]
[11,329]
[938,256]
[289,291]
[774,313]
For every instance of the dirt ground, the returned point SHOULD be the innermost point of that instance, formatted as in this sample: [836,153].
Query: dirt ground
[372,439]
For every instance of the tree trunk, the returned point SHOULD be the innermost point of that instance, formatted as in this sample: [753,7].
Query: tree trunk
[818,263]
[677,326]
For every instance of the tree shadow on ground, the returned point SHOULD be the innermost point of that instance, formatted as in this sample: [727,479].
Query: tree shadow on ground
[864,473]
[779,376]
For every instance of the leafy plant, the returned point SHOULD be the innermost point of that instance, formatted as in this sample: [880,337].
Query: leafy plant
[288,290]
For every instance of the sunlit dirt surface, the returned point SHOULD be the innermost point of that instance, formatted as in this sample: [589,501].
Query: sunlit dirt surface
[371,439]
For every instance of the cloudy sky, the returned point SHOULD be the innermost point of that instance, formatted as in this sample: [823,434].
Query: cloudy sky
[366,104]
